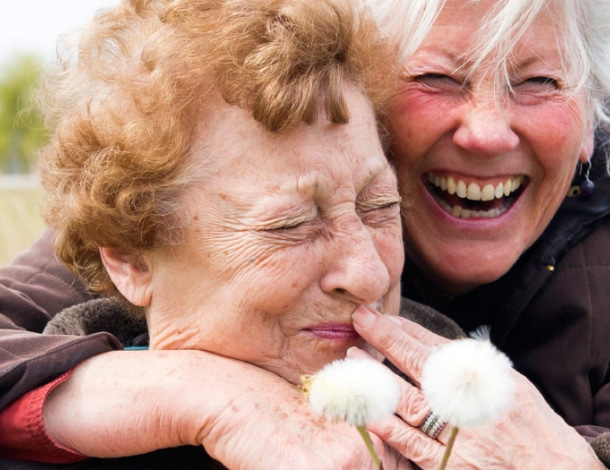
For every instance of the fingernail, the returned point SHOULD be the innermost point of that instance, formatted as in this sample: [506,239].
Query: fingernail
[363,317]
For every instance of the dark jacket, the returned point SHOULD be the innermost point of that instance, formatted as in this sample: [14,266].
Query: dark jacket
[551,314]
[32,290]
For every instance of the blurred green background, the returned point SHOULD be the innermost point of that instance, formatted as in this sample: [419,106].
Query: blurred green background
[21,135]
[29,33]
[20,200]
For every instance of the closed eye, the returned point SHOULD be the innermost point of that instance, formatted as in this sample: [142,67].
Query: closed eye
[538,86]
[374,214]
[534,90]
[437,80]
[287,224]
[538,83]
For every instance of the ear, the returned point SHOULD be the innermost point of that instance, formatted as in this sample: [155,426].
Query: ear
[588,142]
[130,275]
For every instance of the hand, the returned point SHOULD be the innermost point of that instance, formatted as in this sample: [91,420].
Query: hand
[125,403]
[530,436]
[273,426]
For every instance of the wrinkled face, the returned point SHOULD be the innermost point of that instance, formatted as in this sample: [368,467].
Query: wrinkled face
[285,239]
[482,177]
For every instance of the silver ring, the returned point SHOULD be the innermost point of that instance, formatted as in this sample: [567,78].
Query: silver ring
[433,424]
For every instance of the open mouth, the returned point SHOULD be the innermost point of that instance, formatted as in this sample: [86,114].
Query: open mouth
[470,200]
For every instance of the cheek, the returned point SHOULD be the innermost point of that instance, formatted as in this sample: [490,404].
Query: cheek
[556,133]
[287,273]
[416,122]
[390,248]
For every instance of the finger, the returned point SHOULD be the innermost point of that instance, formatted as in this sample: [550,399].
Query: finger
[418,331]
[412,406]
[405,351]
[356,353]
[410,442]
[413,409]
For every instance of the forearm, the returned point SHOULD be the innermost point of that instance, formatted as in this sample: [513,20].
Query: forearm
[131,402]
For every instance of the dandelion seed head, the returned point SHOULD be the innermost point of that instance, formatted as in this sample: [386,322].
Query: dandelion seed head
[358,391]
[468,382]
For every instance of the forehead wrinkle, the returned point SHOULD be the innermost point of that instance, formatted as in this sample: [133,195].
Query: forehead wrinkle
[318,184]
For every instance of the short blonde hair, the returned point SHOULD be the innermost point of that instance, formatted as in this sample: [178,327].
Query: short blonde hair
[126,109]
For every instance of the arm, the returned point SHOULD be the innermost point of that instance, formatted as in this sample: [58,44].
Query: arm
[124,403]
[532,435]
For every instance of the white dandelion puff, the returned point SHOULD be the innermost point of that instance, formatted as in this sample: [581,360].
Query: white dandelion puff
[468,382]
[358,391]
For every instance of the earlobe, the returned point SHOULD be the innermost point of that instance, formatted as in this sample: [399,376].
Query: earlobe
[130,274]
[588,143]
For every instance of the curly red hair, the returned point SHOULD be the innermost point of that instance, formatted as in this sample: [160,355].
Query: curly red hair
[148,72]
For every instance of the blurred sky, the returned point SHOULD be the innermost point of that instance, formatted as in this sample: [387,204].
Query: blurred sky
[34,25]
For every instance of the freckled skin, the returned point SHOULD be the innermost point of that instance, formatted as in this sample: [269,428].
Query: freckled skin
[286,232]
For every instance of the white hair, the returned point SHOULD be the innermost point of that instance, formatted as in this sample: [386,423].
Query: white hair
[585,41]
[405,22]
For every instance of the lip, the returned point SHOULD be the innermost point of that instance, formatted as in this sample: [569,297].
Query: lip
[334,332]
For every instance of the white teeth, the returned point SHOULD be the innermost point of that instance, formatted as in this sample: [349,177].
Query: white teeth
[457,211]
[460,189]
[473,191]
[516,184]
[488,193]
[499,192]
[450,185]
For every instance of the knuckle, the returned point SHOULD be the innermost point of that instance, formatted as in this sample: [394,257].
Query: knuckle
[414,407]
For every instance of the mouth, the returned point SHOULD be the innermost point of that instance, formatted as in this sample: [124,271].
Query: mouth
[468,199]
[334,332]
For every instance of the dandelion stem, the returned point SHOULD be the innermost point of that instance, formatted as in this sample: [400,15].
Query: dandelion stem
[369,445]
[452,436]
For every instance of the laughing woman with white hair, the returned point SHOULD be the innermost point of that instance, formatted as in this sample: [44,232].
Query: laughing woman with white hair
[500,140]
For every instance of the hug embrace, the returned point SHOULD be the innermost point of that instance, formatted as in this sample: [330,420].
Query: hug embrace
[248,190]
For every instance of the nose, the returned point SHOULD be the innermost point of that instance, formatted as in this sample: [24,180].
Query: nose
[354,265]
[485,129]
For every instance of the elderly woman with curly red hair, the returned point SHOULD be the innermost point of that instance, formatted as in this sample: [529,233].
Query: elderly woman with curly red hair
[217,166]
